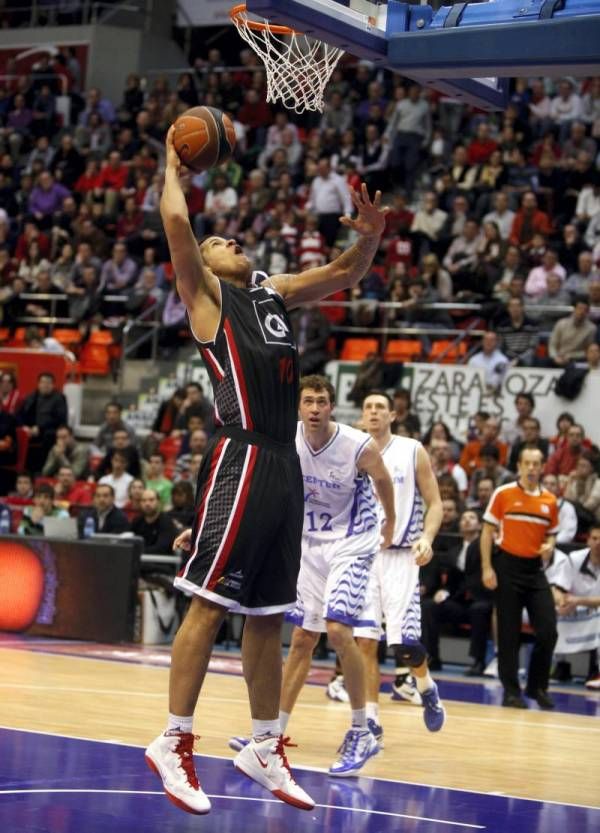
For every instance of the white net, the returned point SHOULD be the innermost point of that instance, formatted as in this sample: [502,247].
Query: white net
[298,66]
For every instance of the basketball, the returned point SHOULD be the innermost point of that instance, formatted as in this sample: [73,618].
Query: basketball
[204,137]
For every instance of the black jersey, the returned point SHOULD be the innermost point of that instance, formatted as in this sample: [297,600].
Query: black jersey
[253,363]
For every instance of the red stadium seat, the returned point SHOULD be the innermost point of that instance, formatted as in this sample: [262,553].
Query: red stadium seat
[446,352]
[403,350]
[357,349]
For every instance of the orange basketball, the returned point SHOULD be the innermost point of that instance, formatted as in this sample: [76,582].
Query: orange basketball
[21,586]
[204,137]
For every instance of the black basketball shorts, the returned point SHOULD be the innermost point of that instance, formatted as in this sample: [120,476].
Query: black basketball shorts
[246,537]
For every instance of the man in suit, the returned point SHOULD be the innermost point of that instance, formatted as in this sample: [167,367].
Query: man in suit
[459,596]
[108,520]
[42,412]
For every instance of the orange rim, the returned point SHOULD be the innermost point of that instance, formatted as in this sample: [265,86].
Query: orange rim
[236,15]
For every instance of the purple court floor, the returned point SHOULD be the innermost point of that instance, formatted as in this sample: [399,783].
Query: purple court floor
[55,784]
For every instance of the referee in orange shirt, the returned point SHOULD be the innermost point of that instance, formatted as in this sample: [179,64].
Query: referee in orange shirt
[525,518]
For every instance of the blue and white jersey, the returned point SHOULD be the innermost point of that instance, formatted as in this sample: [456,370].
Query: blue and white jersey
[400,458]
[339,501]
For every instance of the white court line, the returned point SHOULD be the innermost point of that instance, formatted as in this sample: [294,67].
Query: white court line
[412,714]
[116,742]
[251,798]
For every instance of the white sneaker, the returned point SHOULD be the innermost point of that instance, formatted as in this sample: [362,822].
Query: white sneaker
[408,691]
[171,757]
[357,747]
[266,763]
[336,691]
[593,683]
[491,669]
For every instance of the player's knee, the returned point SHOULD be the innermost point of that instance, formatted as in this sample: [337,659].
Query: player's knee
[339,635]
[411,654]
[304,641]
[367,646]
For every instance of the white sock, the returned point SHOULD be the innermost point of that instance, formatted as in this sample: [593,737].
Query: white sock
[284,719]
[402,671]
[265,728]
[424,683]
[359,718]
[176,723]
[372,711]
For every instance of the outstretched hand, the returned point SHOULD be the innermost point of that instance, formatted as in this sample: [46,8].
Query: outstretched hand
[370,219]
[173,160]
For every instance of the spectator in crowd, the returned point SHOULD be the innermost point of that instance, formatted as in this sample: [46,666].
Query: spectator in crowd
[23,492]
[403,412]
[46,199]
[118,478]
[512,431]
[182,505]
[564,459]
[66,451]
[518,334]
[311,333]
[531,438]
[450,515]
[184,464]
[442,463]
[555,294]
[490,468]
[118,273]
[41,413]
[571,336]
[459,596]
[428,224]
[8,451]
[578,283]
[113,421]
[329,198]
[168,412]
[68,490]
[470,459]
[408,132]
[567,516]
[156,527]
[156,480]
[501,216]
[10,396]
[491,360]
[483,492]
[438,430]
[195,403]
[583,490]
[575,583]
[32,522]
[528,221]
[133,506]
[107,518]
[121,442]
[537,280]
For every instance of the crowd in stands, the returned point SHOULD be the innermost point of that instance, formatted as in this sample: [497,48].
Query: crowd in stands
[502,210]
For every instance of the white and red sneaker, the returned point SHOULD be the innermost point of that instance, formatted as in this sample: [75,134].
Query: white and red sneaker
[266,763]
[171,757]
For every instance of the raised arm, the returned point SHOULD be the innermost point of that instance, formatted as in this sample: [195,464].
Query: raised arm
[347,269]
[197,286]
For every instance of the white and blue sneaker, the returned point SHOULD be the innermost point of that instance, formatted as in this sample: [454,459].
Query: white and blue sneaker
[237,743]
[336,690]
[376,729]
[434,713]
[406,689]
[357,747]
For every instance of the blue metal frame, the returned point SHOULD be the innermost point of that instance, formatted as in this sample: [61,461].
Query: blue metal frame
[504,38]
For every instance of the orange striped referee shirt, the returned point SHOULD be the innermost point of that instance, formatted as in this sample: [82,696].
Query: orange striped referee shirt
[524,519]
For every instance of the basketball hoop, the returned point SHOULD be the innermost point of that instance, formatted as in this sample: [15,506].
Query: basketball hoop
[298,66]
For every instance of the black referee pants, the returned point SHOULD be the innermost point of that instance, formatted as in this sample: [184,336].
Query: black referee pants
[523,584]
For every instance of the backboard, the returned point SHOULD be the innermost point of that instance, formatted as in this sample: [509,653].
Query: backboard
[467,50]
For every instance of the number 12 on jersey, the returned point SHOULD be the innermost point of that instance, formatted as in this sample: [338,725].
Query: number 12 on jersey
[318,523]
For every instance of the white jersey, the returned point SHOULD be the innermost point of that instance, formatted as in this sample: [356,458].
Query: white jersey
[339,501]
[400,458]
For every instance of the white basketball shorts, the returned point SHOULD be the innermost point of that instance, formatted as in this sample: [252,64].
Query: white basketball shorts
[332,585]
[394,597]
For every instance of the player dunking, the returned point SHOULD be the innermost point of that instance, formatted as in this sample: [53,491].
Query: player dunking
[245,542]
[340,538]
[395,574]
